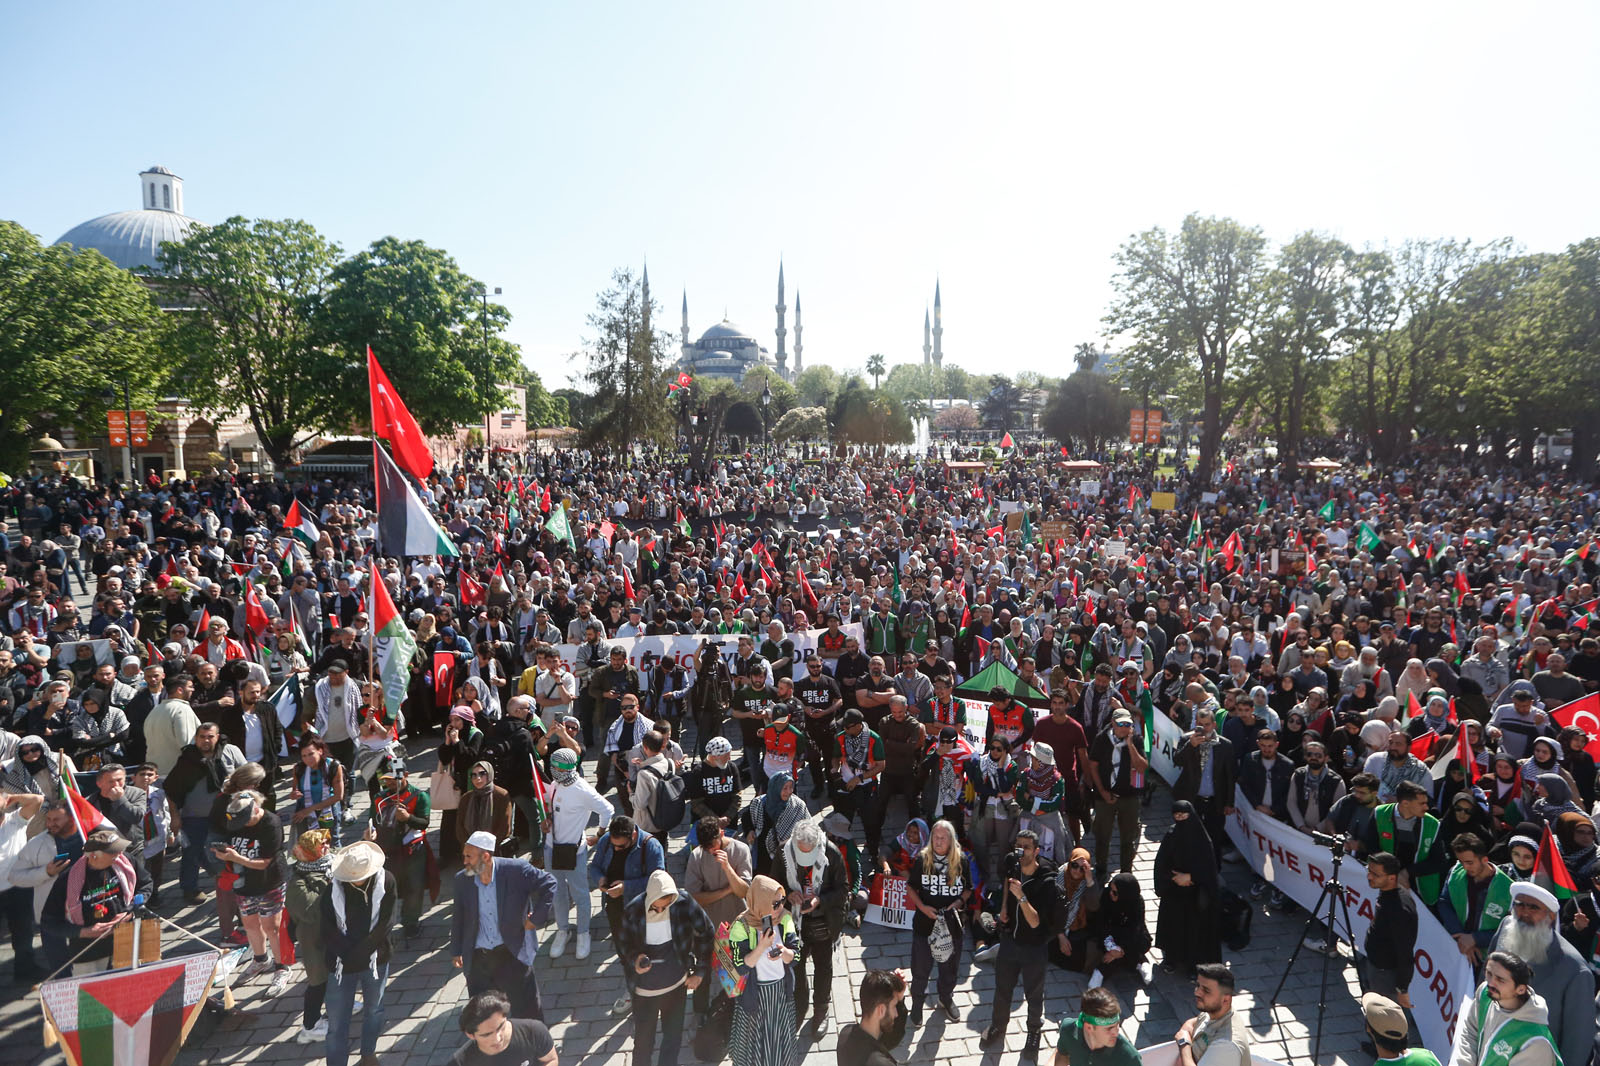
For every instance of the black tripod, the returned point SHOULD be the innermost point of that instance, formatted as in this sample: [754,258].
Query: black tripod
[1334,904]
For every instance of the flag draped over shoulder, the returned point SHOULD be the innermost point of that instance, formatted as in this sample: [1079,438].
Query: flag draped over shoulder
[391,421]
[392,646]
[404,525]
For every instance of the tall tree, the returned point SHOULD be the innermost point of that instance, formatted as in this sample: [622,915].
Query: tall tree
[249,342]
[1200,287]
[545,409]
[426,321]
[626,367]
[816,385]
[860,416]
[875,368]
[1306,300]
[1086,410]
[72,324]
[1001,408]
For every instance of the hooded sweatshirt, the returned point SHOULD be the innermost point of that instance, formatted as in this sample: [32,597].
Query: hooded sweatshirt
[1482,1021]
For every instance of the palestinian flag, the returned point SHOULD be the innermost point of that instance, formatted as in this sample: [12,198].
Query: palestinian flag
[285,699]
[1577,555]
[1261,508]
[393,646]
[129,1017]
[1585,614]
[1550,870]
[559,527]
[1327,511]
[299,524]
[404,525]
[1194,528]
[86,817]
[1141,565]
[1366,537]
[1462,754]
[683,523]
[1006,441]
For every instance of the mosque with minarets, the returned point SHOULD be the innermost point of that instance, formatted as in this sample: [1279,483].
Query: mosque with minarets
[727,351]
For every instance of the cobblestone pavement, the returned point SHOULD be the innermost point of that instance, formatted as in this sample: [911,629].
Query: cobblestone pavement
[425,994]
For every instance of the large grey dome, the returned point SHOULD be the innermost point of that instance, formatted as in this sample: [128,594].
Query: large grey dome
[131,239]
[724,331]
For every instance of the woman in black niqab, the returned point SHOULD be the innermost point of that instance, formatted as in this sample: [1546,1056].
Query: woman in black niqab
[1188,924]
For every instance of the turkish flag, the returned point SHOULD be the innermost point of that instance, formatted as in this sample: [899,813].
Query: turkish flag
[1585,715]
[393,422]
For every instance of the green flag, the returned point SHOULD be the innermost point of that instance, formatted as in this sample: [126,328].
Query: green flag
[1367,537]
[1027,529]
[1261,508]
[1194,528]
[1327,511]
[560,527]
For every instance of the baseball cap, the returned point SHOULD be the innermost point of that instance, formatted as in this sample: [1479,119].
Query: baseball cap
[1384,1016]
[105,840]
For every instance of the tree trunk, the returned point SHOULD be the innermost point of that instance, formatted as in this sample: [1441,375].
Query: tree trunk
[1585,443]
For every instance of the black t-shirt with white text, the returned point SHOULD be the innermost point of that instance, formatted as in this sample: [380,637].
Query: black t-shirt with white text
[264,840]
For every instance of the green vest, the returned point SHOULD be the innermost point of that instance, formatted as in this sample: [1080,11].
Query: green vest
[1413,1057]
[1426,886]
[1496,907]
[1509,1039]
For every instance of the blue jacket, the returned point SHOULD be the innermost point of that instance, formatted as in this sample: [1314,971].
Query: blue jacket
[645,858]
[521,891]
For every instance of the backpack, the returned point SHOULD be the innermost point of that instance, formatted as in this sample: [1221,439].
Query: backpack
[667,804]
[1236,914]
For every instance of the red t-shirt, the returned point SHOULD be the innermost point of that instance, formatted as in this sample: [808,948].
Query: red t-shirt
[1065,740]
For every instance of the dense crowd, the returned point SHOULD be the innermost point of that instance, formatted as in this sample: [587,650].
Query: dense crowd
[1321,642]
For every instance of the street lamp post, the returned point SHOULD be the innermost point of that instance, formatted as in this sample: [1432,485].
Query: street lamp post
[488,374]
[766,411]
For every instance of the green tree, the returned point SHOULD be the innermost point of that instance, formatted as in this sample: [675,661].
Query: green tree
[816,385]
[1306,300]
[425,320]
[545,409]
[249,339]
[1001,408]
[860,416]
[784,395]
[626,367]
[1086,410]
[576,405]
[875,368]
[801,423]
[1197,292]
[72,324]
[912,382]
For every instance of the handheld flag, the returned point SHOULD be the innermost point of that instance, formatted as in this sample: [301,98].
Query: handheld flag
[472,592]
[560,528]
[1462,753]
[1367,537]
[1582,714]
[301,525]
[86,817]
[1194,528]
[255,615]
[393,646]
[405,527]
[1550,870]
[1006,442]
[1327,511]
[1424,744]
[391,421]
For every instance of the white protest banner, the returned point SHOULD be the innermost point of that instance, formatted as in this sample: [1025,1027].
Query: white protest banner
[1008,506]
[74,651]
[1088,488]
[1298,866]
[1114,549]
[886,902]
[1167,738]
[645,652]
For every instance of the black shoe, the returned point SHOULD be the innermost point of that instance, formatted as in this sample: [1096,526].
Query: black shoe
[193,898]
[948,1009]
[1030,1050]
[915,1017]
[28,973]
[991,1036]
[819,1020]
[800,1013]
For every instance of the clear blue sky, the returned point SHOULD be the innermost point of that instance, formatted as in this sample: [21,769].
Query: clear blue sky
[1008,149]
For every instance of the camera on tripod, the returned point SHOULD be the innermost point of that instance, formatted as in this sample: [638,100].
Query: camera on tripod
[1328,840]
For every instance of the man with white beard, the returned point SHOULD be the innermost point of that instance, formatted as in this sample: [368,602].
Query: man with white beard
[1559,973]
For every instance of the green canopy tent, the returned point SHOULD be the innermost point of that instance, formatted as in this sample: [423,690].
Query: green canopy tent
[998,675]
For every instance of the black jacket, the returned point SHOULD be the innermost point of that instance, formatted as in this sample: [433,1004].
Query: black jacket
[1222,772]
[1392,937]
[362,938]
[1040,890]
[1254,783]
[833,894]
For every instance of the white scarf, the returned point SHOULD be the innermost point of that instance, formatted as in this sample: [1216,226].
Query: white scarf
[819,855]
[336,893]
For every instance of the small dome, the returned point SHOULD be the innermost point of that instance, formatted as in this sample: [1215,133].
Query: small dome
[131,239]
[160,170]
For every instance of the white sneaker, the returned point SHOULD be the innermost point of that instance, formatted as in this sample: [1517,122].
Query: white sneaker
[356,1005]
[281,980]
[317,1034]
[256,968]
[583,946]
[1147,972]
[558,944]
[1097,979]
[622,1006]
[1317,943]
[987,954]
[350,817]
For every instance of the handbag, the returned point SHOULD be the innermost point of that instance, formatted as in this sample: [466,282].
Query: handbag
[563,856]
[940,943]
[443,792]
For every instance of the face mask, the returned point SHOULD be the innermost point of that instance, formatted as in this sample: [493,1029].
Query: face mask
[808,858]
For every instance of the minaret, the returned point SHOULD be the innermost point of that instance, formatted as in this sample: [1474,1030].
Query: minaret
[683,333]
[783,356]
[646,299]
[797,365]
[938,328]
[927,345]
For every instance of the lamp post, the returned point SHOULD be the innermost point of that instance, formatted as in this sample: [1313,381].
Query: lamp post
[766,410]
[488,374]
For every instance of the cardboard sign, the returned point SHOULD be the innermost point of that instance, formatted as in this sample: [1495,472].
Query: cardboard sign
[1052,531]
[886,902]
[1088,488]
[1163,501]
[1115,549]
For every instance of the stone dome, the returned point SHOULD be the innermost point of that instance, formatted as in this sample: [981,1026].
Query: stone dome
[131,239]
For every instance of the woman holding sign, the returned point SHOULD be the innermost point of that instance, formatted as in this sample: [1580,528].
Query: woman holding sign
[937,891]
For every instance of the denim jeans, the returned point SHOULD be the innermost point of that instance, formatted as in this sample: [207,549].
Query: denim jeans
[574,885]
[195,855]
[341,998]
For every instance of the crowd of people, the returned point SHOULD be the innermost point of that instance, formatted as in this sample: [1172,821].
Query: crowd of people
[204,675]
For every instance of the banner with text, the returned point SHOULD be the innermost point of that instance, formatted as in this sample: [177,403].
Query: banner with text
[1168,736]
[1299,867]
[886,902]
[645,652]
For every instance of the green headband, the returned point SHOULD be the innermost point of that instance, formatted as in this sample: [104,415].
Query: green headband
[1094,1019]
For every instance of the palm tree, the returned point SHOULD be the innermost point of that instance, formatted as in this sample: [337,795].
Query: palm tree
[875,368]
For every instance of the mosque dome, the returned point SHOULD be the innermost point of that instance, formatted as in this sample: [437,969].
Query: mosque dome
[132,239]
[718,336]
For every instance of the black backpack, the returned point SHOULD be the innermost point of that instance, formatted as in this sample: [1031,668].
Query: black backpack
[1236,914]
[668,805]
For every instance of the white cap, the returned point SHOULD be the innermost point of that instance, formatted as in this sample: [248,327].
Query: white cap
[482,840]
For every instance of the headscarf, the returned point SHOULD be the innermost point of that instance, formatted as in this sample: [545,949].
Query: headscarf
[477,804]
[1290,741]
[1041,779]
[1446,675]
[773,803]
[762,894]
[20,777]
[1074,886]
[1128,908]
[922,831]
[1535,767]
